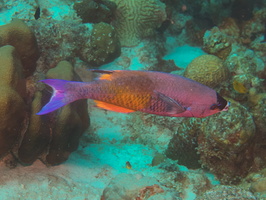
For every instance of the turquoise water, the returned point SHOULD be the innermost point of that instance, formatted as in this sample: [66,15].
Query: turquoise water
[82,151]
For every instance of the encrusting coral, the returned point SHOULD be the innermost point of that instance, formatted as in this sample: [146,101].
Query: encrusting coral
[104,45]
[12,106]
[183,145]
[208,70]
[19,35]
[226,143]
[217,43]
[135,20]
[92,11]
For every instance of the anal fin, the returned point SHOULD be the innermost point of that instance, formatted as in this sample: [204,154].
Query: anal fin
[111,107]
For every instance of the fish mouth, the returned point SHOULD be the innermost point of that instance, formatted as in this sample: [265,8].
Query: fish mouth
[227,106]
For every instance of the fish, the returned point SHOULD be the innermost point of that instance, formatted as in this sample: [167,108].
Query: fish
[239,87]
[128,91]
[128,165]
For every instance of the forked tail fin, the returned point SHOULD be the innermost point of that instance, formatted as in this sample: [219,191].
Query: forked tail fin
[59,97]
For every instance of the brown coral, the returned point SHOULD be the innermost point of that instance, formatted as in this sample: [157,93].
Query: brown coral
[208,70]
[51,137]
[12,105]
[135,20]
[70,119]
[19,35]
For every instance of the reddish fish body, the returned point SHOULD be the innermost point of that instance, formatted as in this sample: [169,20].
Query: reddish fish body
[146,91]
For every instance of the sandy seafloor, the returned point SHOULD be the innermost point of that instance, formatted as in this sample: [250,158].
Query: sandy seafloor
[88,170]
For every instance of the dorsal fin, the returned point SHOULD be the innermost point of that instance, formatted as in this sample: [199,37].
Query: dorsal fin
[105,74]
[111,107]
[101,71]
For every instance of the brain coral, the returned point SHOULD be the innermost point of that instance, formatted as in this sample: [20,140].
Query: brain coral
[226,143]
[12,105]
[208,70]
[135,20]
[19,35]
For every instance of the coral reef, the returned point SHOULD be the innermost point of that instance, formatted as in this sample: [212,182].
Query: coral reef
[244,82]
[226,192]
[19,35]
[217,43]
[51,137]
[244,61]
[208,70]
[104,45]
[17,9]
[37,136]
[228,155]
[12,105]
[183,145]
[135,20]
[242,9]
[59,40]
[68,120]
[256,183]
[92,11]
[174,177]
[257,107]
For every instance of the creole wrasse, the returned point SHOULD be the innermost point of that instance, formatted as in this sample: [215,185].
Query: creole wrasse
[145,91]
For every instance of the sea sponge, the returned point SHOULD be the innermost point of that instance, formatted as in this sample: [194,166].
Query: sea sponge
[208,70]
[226,143]
[12,106]
[19,35]
[104,45]
[135,20]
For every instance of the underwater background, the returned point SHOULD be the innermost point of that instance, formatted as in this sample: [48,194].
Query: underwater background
[82,152]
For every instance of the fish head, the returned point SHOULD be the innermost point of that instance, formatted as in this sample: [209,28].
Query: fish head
[205,110]
[221,105]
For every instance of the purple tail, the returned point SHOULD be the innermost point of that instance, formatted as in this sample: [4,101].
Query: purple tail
[58,98]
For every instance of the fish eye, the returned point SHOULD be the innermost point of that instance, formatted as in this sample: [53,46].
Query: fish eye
[222,103]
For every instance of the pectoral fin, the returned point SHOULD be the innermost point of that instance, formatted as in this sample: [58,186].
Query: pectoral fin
[172,106]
